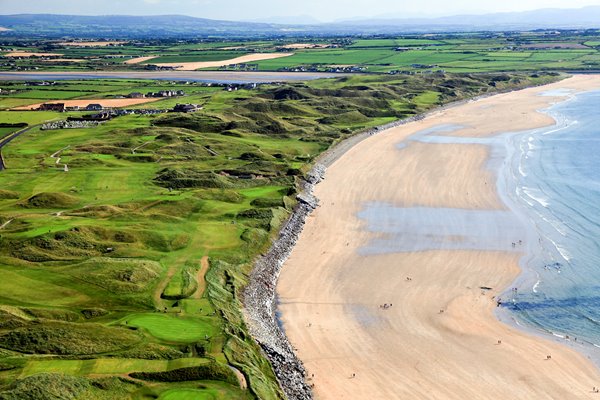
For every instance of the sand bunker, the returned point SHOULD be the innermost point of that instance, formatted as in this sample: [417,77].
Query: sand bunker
[107,103]
[248,58]
[29,54]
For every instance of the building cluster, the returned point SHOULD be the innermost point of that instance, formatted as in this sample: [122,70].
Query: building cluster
[240,67]
[154,67]
[61,107]
[161,93]
[186,108]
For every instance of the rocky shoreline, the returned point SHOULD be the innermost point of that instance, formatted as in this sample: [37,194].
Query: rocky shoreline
[260,297]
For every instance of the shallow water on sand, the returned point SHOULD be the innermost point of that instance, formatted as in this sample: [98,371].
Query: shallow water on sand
[551,182]
[556,179]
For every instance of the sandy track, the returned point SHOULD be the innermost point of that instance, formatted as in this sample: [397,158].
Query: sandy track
[107,103]
[439,340]
[248,58]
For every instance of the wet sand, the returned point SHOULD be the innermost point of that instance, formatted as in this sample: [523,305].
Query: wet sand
[440,338]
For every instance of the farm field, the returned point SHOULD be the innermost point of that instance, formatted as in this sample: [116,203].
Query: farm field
[459,53]
[124,247]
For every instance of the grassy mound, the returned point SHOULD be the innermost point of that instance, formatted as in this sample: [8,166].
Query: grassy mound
[46,387]
[63,338]
[181,285]
[50,200]
[210,371]
[117,275]
[8,194]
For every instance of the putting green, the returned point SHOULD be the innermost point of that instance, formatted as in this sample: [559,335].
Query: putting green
[173,328]
[186,394]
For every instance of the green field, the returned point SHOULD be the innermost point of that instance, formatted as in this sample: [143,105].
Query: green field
[461,53]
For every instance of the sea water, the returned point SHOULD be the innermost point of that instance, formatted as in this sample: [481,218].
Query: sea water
[550,180]
[553,177]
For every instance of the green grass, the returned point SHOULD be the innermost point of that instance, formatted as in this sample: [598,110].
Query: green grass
[106,366]
[187,394]
[172,328]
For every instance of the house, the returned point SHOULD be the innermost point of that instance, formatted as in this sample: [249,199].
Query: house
[94,107]
[60,107]
[186,108]
[73,108]
[136,95]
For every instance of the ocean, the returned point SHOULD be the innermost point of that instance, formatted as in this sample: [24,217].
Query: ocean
[552,180]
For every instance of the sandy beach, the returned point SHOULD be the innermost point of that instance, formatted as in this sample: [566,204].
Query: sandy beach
[440,338]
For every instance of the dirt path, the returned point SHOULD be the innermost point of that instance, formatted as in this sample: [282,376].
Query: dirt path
[6,224]
[241,378]
[204,264]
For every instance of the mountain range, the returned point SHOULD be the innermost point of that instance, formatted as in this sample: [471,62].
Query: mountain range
[179,26]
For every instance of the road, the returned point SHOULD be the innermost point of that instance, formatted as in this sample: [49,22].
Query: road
[7,139]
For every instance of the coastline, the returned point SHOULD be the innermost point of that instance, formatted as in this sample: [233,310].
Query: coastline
[530,278]
[314,347]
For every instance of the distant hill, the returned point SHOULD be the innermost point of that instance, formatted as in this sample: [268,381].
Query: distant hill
[178,26]
[124,26]
[586,17]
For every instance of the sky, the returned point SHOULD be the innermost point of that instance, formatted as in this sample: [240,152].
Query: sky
[322,10]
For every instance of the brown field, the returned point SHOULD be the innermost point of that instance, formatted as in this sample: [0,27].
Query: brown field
[30,54]
[138,60]
[90,44]
[248,58]
[107,103]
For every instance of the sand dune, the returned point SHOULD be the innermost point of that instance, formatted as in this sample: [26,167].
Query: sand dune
[108,103]
[248,58]
[439,340]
